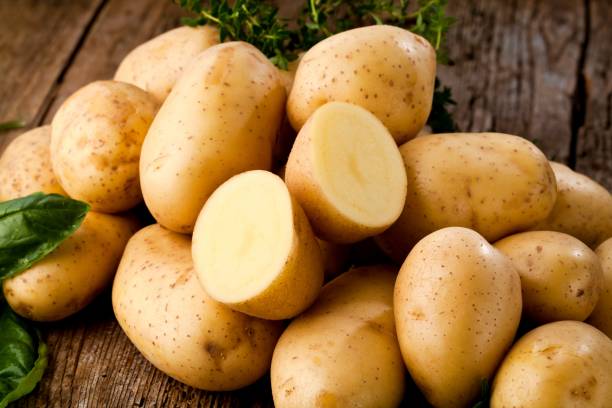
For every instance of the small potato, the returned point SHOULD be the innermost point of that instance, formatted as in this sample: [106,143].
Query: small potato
[562,365]
[583,208]
[602,315]
[346,171]
[96,139]
[457,306]
[384,69]
[25,166]
[493,183]
[343,351]
[220,119]
[69,278]
[254,250]
[561,278]
[156,65]
[164,311]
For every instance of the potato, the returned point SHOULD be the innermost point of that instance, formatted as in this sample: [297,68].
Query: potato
[583,208]
[156,65]
[96,138]
[562,365]
[335,257]
[164,311]
[457,304]
[343,351]
[561,278]
[69,278]
[25,166]
[288,75]
[387,70]
[493,183]
[220,119]
[347,173]
[602,315]
[254,250]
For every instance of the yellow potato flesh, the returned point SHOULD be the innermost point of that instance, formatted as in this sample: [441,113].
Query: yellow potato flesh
[347,173]
[252,245]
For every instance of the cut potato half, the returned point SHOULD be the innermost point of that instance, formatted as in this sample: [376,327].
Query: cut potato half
[347,173]
[254,250]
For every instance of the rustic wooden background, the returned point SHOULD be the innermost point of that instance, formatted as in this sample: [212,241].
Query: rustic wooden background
[536,68]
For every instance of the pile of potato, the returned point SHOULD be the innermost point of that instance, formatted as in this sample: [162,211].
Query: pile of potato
[230,282]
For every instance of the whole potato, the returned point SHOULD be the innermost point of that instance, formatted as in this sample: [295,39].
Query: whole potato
[583,208]
[561,278]
[156,65]
[220,119]
[343,351]
[493,183]
[387,70]
[457,306]
[602,315]
[69,278]
[562,365]
[96,138]
[25,166]
[164,311]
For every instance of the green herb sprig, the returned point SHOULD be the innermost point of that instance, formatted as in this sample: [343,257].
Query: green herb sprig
[13,124]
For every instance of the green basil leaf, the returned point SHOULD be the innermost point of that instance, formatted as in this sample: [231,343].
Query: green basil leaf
[31,227]
[23,356]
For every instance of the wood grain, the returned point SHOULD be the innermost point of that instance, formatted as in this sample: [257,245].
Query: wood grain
[515,65]
[594,145]
[37,41]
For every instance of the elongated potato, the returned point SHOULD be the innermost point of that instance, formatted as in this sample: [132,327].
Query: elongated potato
[583,208]
[220,119]
[563,365]
[343,351]
[493,183]
[602,315]
[254,250]
[156,65]
[347,173]
[457,305]
[164,311]
[70,277]
[25,166]
[387,70]
[561,278]
[96,138]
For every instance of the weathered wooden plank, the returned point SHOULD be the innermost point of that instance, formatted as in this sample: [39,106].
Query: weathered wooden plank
[594,144]
[37,40]
[515,65]
[121,26]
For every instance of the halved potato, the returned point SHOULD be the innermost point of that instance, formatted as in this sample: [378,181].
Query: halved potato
[254,250]
[347,173]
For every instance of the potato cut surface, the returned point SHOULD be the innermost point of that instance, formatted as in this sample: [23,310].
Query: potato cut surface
[250,244]
[347,172]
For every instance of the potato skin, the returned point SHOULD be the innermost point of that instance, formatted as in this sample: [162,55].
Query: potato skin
[602,315]
[220,119]
[156,65]
[583,208]
[25,166]
[561,278]
[561,364]
[493,183]
[343,351]
[457,305]
[386,70]
[164,311]
[69,278]
[96,138]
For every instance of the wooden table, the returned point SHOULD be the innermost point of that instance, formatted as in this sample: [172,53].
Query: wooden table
[538,68]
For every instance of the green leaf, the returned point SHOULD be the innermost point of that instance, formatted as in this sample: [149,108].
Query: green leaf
[32,227]
[484,394]
[13,124]
[440,120]
[23,356]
